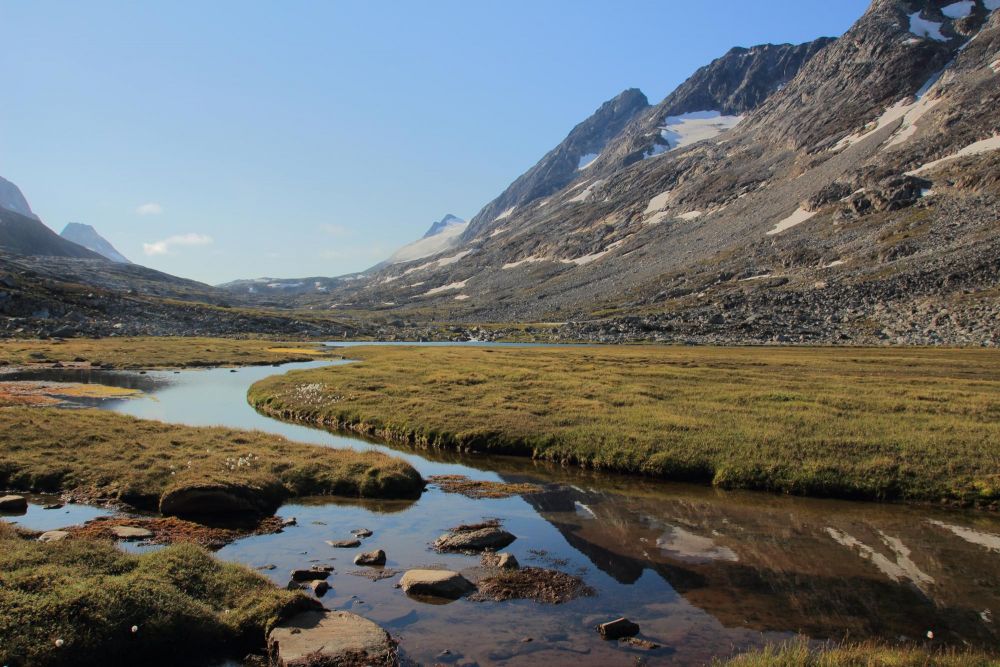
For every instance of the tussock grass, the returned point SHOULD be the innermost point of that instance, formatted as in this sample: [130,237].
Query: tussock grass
[798,654]
[157,352]
[187,607]
[883,424]
[101,455]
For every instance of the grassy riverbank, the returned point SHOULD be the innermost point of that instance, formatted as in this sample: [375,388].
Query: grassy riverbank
[76,602]
[177,469]
[858,655]
[885,424]
[158,352]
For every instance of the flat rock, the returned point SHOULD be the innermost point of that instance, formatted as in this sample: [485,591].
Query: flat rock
[311,574]
[361,532]
[316,638]
[344,544]
[53,536]
[13,504]
[376,557]
[435,583]
[492,537]
[618,628]
[131,532]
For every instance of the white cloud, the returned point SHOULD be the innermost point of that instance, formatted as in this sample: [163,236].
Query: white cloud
[163,247]
[150,208]
[335,230]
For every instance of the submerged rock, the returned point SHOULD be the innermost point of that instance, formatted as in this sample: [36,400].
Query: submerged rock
[344,544]
[315,638]
[13,504]
[436,583]
[131,532]
[311,574]
[376,557]
[618,628]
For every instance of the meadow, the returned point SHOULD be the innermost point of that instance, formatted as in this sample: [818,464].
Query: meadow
[907,424]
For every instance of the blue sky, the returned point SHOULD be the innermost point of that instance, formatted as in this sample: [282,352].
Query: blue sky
[222,140]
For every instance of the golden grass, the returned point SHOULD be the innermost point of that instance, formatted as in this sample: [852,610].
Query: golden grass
[869,654]
[157,352]
[886,424]
[96,454]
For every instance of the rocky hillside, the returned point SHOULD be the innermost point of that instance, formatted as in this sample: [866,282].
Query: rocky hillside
[88,237]
[841,191]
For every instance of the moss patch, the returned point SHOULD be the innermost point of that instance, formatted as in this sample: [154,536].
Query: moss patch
[76,603]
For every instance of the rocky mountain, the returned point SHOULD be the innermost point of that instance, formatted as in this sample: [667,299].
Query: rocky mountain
[849,192]
[88,237]
[449,221]
[560,166]
[11,199]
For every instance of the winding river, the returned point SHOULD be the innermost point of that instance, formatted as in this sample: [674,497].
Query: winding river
[704,572]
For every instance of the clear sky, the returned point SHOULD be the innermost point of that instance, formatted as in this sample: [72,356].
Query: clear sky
[221,140]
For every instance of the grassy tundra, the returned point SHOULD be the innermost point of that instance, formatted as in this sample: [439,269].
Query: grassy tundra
[158,352]
[150,465]
[885,424]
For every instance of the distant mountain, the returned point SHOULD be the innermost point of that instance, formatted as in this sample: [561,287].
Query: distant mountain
[23,235]
[443,224]
[442,235]
[12,199]
[88,237]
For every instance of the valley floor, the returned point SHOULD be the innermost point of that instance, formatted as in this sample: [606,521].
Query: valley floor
[906,424]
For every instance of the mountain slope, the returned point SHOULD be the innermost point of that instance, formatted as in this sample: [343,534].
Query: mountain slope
[858,202]
[87,236]
[23,235]
[561,165]
[441,236]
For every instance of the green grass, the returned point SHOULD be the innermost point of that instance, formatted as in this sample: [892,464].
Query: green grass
[885,424]
[798,654]
[187,606]
[101,455]
[158,352]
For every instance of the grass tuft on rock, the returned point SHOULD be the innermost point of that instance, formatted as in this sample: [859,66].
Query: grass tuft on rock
[880,424]
[182,470]
[76,603]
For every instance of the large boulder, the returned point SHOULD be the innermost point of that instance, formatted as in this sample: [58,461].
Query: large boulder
[207,499]
[328,639]
[476,540]
[435,583]
[376,557]
[13,504]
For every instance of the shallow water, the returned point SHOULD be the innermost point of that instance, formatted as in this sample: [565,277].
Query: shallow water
[703,572]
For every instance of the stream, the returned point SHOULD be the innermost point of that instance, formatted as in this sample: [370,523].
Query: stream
[704,572]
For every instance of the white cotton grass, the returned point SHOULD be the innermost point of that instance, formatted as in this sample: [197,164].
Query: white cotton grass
[59,643]
[135,629]
[930,634]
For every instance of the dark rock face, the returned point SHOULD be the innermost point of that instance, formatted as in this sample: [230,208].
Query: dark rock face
[24,235]
[559,166]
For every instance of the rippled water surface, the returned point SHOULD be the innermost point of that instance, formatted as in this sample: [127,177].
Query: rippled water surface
[703,572]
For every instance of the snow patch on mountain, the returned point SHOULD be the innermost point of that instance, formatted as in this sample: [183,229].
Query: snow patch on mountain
[977,148]
[690,128]
[587,160]
[958,10]
[922,27]
[796,218]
